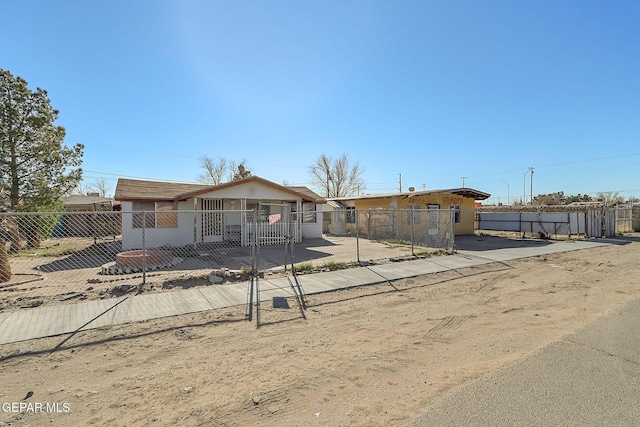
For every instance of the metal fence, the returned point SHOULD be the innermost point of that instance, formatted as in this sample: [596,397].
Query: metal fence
[589,222]
[65,257]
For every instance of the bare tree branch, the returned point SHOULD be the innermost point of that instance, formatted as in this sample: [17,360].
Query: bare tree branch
[336,178]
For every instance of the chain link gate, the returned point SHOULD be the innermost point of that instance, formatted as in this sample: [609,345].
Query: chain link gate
[275,229]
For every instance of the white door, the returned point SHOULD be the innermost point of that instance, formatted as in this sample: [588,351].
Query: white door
[212,220]
[433,216]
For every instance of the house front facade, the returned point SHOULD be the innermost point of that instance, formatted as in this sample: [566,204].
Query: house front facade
[176,214]
[460,202]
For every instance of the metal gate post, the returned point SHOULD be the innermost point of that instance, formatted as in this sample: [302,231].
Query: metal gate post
[357,235]
[412,221]
[144,248]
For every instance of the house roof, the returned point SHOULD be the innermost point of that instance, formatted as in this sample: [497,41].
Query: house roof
[464,191]
[136,190]
[78,200]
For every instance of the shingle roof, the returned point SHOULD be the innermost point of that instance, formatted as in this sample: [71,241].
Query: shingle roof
[131,189]
[465,192]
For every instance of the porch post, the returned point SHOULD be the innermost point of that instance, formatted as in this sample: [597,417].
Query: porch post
[244,241]
[195,222]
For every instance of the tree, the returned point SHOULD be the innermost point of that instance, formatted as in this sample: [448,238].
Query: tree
[241,173]
[220,170]
[557,198]
[35,165]
[101,187]
[578,198]
[5,266]
[214,170]
[336,178]
[610,198]
[98,186]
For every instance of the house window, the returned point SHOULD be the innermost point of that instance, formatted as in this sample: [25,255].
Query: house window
[456,214]
[155,215]
[413,214]
[166,215]
[309,213]
[351,215]
[147,217]
[264,213]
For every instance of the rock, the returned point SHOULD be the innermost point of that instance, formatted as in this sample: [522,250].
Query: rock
[32,304]
[215,279]
[188,389]
[256,400]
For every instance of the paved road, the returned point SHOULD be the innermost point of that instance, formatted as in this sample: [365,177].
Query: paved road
[591,378]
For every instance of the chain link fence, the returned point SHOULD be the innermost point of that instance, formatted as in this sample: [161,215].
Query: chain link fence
[66,257]
[378,235]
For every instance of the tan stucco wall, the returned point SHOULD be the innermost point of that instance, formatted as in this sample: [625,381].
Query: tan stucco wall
[445,201]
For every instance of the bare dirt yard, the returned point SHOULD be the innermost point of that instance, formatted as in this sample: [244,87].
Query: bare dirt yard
[372,356]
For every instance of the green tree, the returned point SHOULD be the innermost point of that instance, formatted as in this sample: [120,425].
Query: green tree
[5,267]
[35,165]
[36,168]
[578,198]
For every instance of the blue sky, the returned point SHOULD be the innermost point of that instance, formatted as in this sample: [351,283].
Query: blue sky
[432,90]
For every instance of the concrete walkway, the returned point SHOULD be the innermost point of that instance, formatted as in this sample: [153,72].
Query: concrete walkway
[63,319]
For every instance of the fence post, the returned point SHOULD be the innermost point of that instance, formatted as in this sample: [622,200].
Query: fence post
[144,248]
[412,221]
[357,235]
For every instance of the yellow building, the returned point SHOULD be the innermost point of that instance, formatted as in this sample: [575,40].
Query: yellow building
[460,202]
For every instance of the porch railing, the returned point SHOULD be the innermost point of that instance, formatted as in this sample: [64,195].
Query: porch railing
[274,234]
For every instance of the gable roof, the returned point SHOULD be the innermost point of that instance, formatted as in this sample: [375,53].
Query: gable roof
[137,190]
[464,192]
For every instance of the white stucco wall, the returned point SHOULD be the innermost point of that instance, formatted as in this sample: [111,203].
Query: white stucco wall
[157,237]
[313,230]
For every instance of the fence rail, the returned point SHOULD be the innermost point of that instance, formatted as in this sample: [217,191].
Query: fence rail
[52,258]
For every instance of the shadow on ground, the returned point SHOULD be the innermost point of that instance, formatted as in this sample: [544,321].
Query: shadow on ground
[488,243]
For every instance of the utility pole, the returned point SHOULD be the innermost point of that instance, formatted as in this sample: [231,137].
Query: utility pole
[505,182]
[463,178]
[400,183]
[524,185]
[424,187]
[531,182]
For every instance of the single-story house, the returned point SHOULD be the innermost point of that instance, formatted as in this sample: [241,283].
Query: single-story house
[177,214]
[89,202]
[82,222]
[460,200]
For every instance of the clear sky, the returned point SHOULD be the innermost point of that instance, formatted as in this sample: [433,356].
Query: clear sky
[432,90]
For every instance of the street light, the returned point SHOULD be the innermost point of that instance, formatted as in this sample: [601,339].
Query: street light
[505,182]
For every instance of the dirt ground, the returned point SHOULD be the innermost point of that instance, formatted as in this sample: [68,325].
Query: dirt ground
[372,356]
[66,279]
